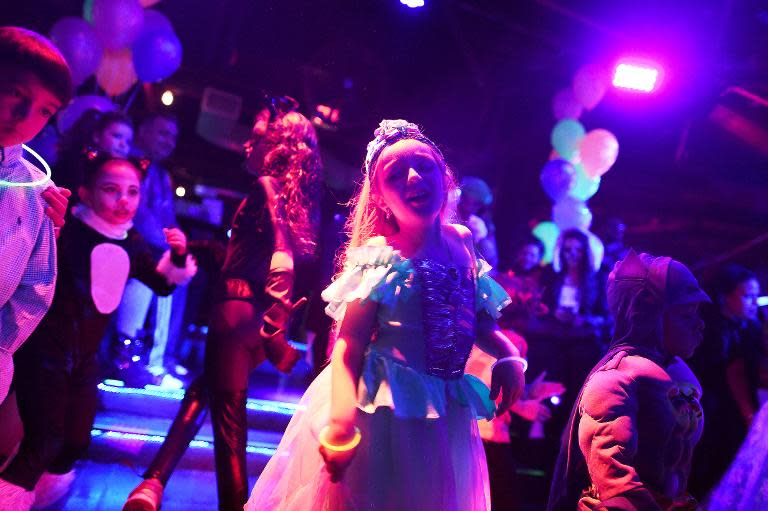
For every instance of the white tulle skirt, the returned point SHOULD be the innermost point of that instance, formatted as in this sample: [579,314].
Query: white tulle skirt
[402,463]
[745,486]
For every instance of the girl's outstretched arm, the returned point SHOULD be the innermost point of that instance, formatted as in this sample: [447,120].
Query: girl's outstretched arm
[346,364]
[507,377]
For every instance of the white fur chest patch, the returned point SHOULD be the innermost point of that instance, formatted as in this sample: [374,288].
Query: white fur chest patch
[110,266]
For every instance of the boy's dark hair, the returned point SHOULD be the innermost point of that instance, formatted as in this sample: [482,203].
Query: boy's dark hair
[29,51]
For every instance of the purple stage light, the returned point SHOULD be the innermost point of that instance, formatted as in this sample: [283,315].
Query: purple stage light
[637,77]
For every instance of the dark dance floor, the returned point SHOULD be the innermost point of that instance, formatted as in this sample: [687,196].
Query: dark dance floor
[131,425]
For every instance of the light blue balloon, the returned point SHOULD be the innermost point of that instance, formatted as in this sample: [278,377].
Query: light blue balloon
[566,137]
[547,232]
[584,187]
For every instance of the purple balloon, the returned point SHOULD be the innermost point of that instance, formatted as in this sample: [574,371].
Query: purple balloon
[589,85]
[570,213]
[117,22]
[69,115]
[77,41]
[156,55]
[565,105]
[156,21]
[557,178]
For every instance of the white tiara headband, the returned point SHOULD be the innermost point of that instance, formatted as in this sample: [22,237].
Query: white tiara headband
[389,132]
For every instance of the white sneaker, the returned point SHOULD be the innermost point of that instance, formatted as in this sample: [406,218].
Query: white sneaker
[52,487]
[15,498]
[180,370]
[156,370]
[170,382]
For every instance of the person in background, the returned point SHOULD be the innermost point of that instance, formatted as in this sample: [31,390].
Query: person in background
[728,365]
[523,283]
[612,235]
[569,338]
[110,132]
[630,438]
[528,256]
[506,492]
[155,140]
[474,208]
[575,289]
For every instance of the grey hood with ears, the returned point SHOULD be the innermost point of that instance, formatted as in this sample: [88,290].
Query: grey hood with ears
[640,287]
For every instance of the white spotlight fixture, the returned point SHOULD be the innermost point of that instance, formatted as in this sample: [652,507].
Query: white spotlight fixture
[181,191]
[167,98]
[635,76]
[412,3]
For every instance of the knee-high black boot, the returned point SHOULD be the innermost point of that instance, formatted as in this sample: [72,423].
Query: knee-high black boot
[187,423]
[230,430]
[190,417]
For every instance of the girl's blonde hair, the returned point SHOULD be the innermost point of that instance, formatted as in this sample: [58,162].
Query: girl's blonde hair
[367,219]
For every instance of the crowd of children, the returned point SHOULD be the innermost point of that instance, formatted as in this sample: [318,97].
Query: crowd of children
[417,357]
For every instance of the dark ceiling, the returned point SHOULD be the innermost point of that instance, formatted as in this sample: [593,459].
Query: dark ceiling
[479,75]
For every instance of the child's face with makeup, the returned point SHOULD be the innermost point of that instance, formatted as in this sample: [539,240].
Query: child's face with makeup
[115,192]
[25,106]
[409,180]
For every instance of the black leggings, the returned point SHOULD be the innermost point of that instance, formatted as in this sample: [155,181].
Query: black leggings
[233,349]
[57,394]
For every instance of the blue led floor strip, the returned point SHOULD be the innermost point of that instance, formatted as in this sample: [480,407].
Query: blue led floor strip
[259,405]
[262,448]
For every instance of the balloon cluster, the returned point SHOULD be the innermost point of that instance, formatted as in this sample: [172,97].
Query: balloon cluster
[579,158]
[120,42]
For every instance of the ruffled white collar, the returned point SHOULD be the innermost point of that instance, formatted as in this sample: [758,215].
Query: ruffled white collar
[98,224]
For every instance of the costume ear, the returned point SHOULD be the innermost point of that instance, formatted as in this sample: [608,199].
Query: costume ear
[658,272]
[631,267]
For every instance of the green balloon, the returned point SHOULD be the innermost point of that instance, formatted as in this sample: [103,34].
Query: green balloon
[584,187]
[566,137]
[547,232]
[88,11]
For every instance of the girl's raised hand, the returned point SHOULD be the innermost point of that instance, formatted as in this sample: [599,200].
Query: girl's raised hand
[177,240]
[508,379]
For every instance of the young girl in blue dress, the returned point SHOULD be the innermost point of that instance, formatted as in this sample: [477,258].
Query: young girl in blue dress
[391,423]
